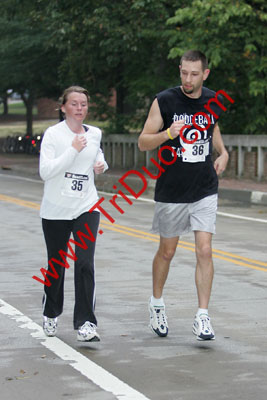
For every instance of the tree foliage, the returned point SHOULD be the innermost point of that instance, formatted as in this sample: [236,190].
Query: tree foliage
[26,65]
[132,47]
[113,45]
[233,35]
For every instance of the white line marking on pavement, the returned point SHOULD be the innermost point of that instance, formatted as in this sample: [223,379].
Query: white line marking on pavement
[150,201]
[241,217]
[22,178]
[218,212]
[98,375]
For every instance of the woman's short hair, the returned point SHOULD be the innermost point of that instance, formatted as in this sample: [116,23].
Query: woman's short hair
[77,89]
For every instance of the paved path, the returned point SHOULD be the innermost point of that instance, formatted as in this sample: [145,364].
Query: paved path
[130,362]
[247,191]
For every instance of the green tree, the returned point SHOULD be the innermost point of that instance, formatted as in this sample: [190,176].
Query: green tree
[27,66]
[233,35]
[113,45]
[4,100]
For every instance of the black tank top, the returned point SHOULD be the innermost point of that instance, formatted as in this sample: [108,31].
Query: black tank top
[192,176]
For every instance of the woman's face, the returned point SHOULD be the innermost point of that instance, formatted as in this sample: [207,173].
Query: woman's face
[76,107]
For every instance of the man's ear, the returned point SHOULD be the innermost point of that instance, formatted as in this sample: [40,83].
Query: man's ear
[206,74]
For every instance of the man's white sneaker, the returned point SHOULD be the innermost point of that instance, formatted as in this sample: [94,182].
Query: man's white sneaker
[50,326]
[202,327]
[158,320]
[87,333]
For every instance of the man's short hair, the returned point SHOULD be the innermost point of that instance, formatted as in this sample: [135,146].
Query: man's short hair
[195,55]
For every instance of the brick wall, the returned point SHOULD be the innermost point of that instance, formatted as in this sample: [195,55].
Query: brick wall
[231,169]
[47,108]
[250,165]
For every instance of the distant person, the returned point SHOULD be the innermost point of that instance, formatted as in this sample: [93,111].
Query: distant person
[70,156]
[186,193]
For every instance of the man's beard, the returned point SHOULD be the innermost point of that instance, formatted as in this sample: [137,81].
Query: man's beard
[188,91]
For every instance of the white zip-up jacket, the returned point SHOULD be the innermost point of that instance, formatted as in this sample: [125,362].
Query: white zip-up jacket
[69,188]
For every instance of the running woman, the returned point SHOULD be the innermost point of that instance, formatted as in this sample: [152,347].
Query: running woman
[70,156]
[186,193]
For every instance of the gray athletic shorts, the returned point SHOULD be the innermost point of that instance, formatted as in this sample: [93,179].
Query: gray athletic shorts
[176,219]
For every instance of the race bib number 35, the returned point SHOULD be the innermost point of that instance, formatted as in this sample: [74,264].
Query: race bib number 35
[75,185]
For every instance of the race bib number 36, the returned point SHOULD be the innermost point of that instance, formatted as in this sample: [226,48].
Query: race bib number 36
[196,152]
[75,185]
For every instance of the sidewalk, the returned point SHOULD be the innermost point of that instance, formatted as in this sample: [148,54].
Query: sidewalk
[246,191]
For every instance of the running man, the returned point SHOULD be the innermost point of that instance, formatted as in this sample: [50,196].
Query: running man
[186,193]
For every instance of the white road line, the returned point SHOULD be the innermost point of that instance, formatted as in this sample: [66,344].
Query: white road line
[22,178]
[128,195]
[218,212]
[98,375]
[152,201]
[241,217]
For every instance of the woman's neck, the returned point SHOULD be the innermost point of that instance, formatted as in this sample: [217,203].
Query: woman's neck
[75,126]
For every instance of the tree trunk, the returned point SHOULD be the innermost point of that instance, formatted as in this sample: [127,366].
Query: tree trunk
[120,103]
[120,109]
[28,101]
[5,104]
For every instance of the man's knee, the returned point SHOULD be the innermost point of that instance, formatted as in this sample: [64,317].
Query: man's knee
[204,252]
[167,253]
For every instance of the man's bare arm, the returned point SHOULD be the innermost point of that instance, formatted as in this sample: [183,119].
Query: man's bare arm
[151,137]
[220,162]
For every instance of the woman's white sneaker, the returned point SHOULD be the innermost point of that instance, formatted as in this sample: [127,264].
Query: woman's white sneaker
[87,333]
[202,327]
[50,326]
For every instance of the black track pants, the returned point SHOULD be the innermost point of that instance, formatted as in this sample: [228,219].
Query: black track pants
[57,234]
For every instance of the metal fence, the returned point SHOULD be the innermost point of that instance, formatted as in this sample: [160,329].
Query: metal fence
[248,154]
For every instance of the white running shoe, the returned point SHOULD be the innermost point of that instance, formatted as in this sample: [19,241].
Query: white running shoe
[158,320]
[202,327]
[87,333]
[50,326]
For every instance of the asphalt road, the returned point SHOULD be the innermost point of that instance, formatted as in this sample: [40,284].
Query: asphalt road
[130,362]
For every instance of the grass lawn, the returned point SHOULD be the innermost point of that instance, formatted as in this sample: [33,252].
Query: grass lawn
[17,108]
[17,126]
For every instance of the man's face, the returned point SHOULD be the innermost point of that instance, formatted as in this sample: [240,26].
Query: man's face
[192,77]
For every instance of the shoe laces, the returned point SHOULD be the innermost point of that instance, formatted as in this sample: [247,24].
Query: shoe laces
[88,327]
[161,316]
[51,322]
[205,322]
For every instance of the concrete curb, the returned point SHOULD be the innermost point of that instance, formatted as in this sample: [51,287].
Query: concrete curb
[244,196]
[105,182]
